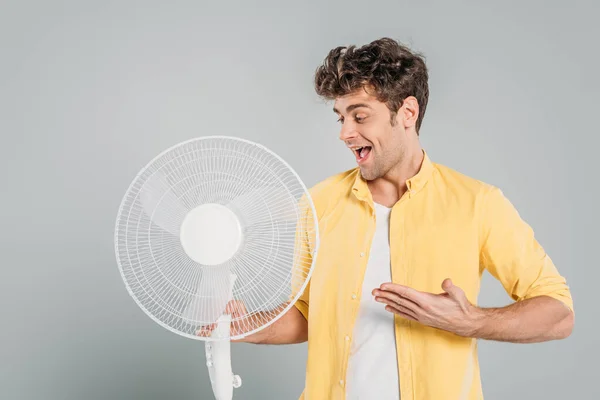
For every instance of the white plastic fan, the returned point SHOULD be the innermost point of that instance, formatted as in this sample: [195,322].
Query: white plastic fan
[208,221]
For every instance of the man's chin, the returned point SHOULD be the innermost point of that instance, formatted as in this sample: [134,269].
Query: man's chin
[367,174]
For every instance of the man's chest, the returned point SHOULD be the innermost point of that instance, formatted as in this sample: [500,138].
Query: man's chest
[425,247]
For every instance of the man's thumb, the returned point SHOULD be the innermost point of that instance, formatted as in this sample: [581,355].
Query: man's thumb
[454,291]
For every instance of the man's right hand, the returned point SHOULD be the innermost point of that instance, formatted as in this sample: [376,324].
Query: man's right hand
[239,322]
[291,328]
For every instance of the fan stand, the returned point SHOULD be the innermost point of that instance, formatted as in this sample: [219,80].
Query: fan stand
[218,358]
[210,235]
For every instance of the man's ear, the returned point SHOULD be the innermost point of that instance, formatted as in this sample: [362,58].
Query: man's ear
[409,112]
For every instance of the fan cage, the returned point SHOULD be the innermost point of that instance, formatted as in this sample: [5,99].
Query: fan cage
[273,264]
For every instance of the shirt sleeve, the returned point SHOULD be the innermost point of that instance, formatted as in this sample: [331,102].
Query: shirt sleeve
[302,302]
[512,254]
[304,247]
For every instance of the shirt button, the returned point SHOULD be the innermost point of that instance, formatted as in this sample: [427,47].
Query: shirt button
[353,296]
[342,382]
[362,254]
[347,338]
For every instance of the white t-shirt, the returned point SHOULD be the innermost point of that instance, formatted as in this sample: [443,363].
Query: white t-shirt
[373,368]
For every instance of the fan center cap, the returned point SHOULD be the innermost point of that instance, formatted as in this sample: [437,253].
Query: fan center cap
[210,234]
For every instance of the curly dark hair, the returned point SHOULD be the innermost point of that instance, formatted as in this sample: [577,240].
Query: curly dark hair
[391,69]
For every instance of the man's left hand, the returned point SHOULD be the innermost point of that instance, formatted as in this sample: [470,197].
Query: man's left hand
[450,310]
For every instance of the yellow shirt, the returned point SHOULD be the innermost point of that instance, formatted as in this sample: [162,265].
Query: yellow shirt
[447,225]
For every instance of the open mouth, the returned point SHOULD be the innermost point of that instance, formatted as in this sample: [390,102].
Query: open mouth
[362,153]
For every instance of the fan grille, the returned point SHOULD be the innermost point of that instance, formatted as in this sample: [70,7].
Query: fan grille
[273,263]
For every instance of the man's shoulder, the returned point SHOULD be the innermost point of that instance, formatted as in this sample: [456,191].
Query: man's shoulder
[461,183]
[333,187]
[339,182]
[478,196]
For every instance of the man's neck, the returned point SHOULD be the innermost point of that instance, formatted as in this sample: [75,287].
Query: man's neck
[388,189]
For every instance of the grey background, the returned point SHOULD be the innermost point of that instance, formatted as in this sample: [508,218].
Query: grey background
[91,91]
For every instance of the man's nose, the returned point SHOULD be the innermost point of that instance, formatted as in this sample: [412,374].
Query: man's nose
[348,132]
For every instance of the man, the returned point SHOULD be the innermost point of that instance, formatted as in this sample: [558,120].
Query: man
[390,311]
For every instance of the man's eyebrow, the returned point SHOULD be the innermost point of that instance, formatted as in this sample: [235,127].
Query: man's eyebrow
[352,107]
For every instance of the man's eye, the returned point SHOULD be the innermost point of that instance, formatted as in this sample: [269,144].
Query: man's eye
[357,119]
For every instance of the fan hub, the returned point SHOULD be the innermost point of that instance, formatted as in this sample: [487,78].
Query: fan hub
[210,234]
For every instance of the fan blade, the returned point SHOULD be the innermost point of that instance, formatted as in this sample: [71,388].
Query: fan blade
[266,203]
[211,297]
[161,205]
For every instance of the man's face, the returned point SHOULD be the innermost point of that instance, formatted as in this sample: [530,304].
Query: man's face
[367,130]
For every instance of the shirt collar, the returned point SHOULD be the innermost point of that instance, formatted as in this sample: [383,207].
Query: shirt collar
[361,190]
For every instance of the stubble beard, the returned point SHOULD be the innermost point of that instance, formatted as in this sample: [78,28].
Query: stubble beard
[382,165]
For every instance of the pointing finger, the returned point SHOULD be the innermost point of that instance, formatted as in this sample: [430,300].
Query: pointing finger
[396,298]
[404,291]
[399,309]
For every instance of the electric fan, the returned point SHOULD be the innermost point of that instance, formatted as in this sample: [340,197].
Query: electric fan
[213,223]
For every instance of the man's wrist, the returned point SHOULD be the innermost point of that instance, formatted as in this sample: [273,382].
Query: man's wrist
[476,322]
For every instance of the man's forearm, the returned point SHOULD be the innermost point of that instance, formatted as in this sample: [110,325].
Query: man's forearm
[533,320]
[291,328]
